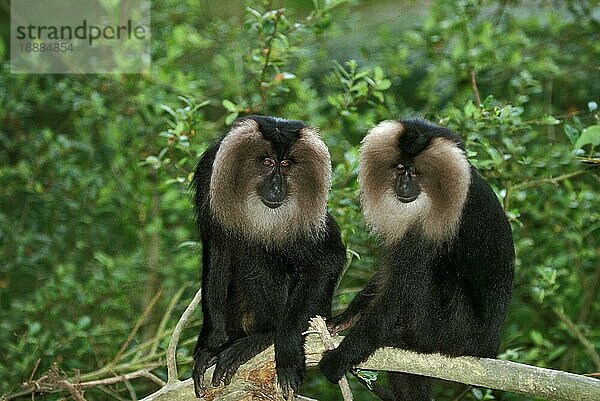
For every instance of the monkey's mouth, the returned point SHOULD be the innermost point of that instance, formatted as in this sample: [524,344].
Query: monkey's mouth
[407,199]
[272,204]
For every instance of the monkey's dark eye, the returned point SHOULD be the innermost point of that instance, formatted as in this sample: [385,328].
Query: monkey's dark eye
[269,162]
[285,163]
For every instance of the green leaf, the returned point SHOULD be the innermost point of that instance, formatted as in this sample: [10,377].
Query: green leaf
[168,110]
[229,105]
[470,109]
[589,136]
[368,376]
[487,102]
[189,244]
[536,337]
[571,133]
[383,84]
[230,117]
[254,12]
[550,120]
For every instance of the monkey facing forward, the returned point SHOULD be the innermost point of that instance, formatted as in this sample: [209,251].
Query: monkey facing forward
[445,280]
[271,254]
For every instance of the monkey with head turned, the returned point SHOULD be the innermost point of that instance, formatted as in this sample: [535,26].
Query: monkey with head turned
[445,280]
[271,254]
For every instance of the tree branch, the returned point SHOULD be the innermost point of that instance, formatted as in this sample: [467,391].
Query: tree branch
[258,375]
[172,349]
[137,326]
[573,329]
[555,181]
[476,96]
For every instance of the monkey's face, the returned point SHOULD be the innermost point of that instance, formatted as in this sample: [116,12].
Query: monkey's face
[273,187]
[270,180]
[407,187]
[412,174]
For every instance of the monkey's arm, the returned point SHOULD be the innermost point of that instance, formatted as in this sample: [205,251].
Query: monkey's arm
[214,289]
[361,341]
[216,273]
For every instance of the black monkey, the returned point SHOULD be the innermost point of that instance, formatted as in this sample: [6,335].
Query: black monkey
[271,254]
[445,280]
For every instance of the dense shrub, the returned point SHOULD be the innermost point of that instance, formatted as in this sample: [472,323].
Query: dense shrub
[95,217]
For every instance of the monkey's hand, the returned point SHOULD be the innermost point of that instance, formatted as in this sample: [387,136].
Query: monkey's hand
[203,359]
[290,373]
[334,364]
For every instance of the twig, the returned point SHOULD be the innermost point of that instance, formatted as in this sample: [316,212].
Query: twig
[463,393]
[172,348]
[152,377]
[269,49]
[317,324]
[121,378]
[587,344]
[112,393]
[163,322]
[35,367]
[554,181]
[131,390]
[75,393]
[137,326]
[590,292]
[476,97]
[51,383]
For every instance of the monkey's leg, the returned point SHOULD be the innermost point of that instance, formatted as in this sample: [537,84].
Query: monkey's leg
[370,333]
[407,387]
[241,351]
[312,296]
[351,315]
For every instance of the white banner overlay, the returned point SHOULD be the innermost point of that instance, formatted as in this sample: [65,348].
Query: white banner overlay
[80,36]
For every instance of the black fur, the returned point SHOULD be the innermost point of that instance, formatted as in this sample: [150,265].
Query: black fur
[280,132]
[428,297]
[254,295]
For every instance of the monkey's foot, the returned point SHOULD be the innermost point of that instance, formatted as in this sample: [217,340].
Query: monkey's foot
[289,377]
[228,363]
[333,365]
[202,361]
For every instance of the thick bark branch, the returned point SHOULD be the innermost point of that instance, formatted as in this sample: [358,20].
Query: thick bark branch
[256,379]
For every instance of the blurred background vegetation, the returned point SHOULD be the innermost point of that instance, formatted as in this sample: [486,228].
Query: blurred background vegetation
[97,244]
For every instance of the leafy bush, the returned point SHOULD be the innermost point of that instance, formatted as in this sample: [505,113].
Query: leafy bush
[95,213]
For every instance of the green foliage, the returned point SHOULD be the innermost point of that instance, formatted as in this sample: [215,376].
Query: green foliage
[95,211]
